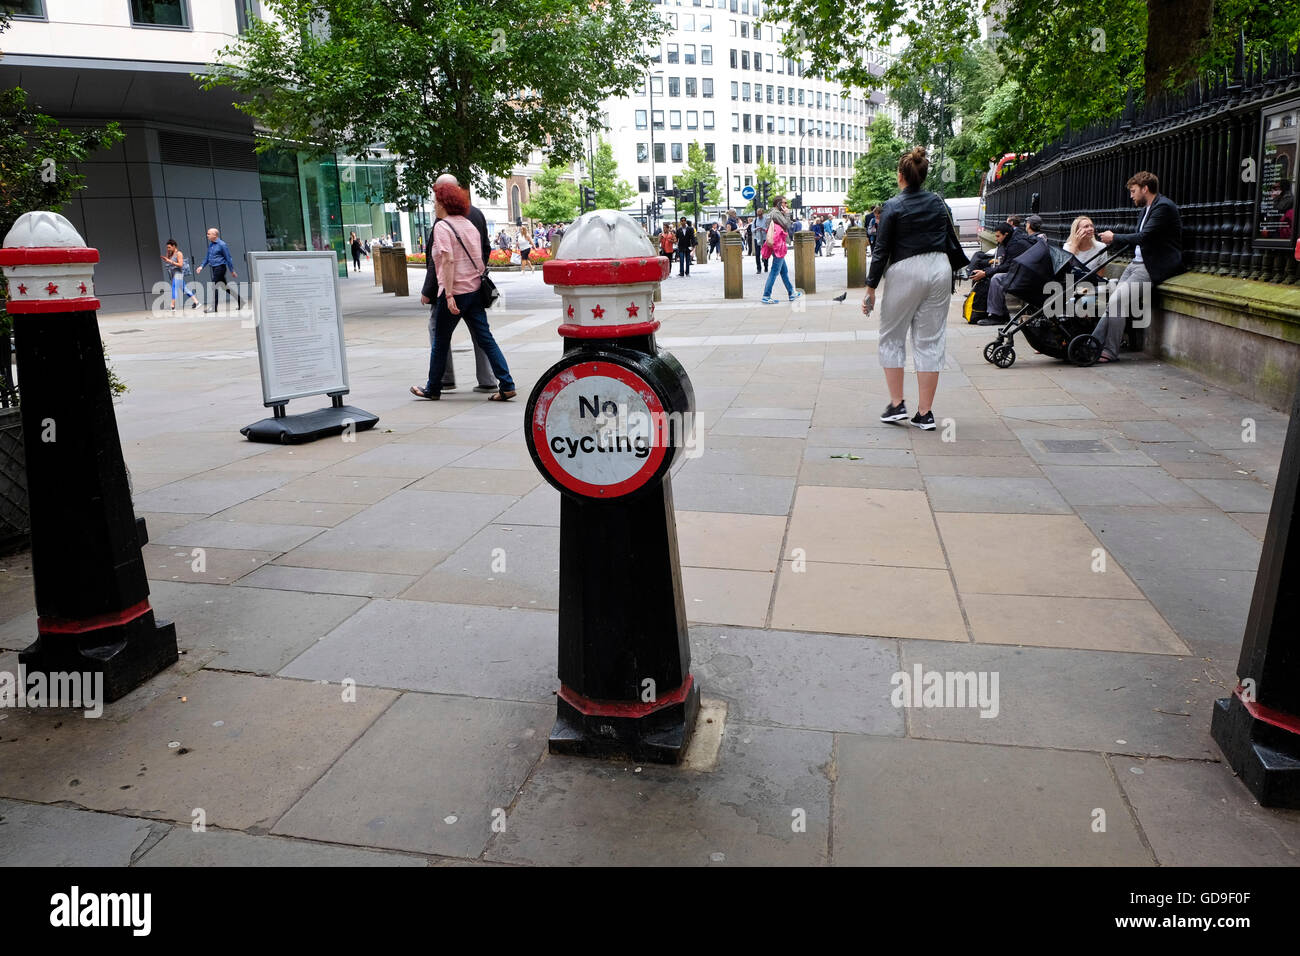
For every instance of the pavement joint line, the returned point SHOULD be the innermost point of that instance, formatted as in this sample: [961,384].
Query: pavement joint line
[1132,811]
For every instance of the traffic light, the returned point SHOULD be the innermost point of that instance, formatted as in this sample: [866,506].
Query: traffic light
[699,193]
[798,201]
[588,198]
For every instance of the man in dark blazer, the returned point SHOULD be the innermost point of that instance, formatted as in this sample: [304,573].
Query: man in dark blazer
[685,246]
[487,381]
[1157,256]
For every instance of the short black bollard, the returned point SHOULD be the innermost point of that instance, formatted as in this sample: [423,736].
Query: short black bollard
[92,597]
[1258,727]
[604,426]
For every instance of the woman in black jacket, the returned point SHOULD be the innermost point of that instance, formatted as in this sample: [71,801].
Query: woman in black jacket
[911,255]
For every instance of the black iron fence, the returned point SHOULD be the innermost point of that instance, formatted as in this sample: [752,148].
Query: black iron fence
[1225,151]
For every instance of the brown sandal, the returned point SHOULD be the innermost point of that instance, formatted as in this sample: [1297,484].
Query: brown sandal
[501,396]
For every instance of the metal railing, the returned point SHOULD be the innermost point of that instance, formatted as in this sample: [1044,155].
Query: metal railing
[1204,145]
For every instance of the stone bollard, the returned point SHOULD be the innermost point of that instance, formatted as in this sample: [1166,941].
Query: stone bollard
[401,272]
[93,621]
[603,426]
[805,243]
[385,264]
[377,262]
[855,252]
[701,247]
[733,255]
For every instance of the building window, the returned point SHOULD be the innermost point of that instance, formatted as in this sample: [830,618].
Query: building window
[706,86]
[758,60]
[780,124]
[744,30]
[708,119]
[514,203]
[744,59]
[160,13]
[657,119]
[780,95]
[691,86]
[23,9]
[749,124]
[246,11]
[657,85]
[672,20]
[706,23]
[735,157]
[769,92]
[672,53]
[643,152]
[677,152]
[675,119]
[733,28]
[736,180]
[661,183]
[733,59]
[744,92]
[706,55]
[801,98]
[749,154]
[771,124]
[656,55]
[640,119]
[659,152]
[688,22]
[643,184]
[709,151]
[780,152]
[688,54]
[735,121]
[692,119]
[735,90]
[674,86]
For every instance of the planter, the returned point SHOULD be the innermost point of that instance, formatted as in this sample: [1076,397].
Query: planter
[15,520]
[504,268]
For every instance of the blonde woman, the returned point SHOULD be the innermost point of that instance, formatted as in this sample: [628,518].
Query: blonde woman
[1083,243]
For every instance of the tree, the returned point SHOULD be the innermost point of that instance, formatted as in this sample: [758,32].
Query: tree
[38,160]
[697,170]
[611,192]
[553,200]
[763,173]
[470,88]
[875,174]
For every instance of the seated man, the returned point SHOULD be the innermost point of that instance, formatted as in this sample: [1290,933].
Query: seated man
[1033,267]
[980,272]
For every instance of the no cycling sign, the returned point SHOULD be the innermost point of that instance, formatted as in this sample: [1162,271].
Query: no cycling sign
[600,427]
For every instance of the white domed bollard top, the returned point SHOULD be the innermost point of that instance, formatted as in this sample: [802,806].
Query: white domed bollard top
[606,270]
[48,265]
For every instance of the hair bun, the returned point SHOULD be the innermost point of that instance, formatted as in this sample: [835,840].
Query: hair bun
[918,152]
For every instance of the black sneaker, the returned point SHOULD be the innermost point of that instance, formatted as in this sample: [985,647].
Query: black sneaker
[895,413]
[924,422]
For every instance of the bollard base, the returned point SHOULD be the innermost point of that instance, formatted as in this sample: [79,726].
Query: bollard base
[660,736]
[126,654]
[1264,756]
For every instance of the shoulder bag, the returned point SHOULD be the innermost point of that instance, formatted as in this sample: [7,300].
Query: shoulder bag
[487,289]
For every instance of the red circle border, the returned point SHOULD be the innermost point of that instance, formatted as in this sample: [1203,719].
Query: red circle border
[537,430]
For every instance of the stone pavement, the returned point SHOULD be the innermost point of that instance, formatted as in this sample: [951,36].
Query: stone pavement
[1088,538]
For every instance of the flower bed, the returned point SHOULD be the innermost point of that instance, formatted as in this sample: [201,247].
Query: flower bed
[415,259]
[499,257]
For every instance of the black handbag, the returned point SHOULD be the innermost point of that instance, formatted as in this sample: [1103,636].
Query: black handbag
[487,289]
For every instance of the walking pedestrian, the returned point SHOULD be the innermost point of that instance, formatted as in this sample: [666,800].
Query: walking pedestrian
[668,243]
[355,245]
[778,237]
[525,250]
[761,260]
[174,263]
[219,258]
[459,271]
[685,237]
[911,254]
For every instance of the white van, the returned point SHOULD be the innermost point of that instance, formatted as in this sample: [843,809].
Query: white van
[965,215]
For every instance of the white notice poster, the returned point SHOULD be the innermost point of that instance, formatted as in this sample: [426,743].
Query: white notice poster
[299,320]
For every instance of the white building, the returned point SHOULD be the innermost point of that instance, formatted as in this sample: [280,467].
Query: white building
[718,77]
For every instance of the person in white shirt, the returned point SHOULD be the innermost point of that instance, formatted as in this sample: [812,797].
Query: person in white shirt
[525,249]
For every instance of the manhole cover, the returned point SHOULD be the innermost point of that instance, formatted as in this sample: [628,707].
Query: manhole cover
[1073,446]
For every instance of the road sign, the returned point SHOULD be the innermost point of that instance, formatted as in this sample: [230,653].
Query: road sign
[747,192]
[593,429]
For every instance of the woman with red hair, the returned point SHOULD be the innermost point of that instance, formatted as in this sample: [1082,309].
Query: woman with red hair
[459,274]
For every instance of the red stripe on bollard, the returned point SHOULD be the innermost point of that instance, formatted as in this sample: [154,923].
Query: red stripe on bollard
[56,625]
[611,708]
[570,331]
[584,272]
[1267,714]
[46,255]
[87,304]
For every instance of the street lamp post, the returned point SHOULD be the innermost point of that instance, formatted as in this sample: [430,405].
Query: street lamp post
[654,188]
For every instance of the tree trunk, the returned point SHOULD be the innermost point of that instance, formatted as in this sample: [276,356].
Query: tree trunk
[1178,35]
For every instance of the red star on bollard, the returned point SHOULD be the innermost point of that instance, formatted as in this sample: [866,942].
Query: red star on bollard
[598,312]
[82,287]
[51,288]
[570,312]
[22,290]
[632,311]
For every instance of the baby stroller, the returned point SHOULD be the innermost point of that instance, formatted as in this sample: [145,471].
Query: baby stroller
[1066,336]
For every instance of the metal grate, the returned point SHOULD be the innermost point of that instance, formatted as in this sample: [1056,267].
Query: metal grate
[181,150]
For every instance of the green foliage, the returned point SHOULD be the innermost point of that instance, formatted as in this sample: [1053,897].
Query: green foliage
[611,192]
[875,174]
[552,200]
[470,88]
[37,162]
[697,170]
[763,173]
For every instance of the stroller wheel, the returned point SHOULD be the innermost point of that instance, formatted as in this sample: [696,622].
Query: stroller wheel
[991,348]
[1004,356]
[1084,350]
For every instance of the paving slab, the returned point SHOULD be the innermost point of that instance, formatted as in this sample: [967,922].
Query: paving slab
[1231,495]
[576,812]
[743,494]
[864,526]
[501,566]
[977,466]
[1164,537]
[718,539]
[541,506]
[248,747]
[1197,813]
[1208,609]
[207,496]
[1000,495]
[201,565]
[439,648]
[35,835]
[405,460]
[337,489]
[903,802]
[725,596]
[450,767]
[809,681]
[184,847]
[842,473]
[324,581]
[1110,624]
[239,535]
[318,514]
[488,481]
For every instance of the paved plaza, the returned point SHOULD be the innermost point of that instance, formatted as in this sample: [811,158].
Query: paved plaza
[1086,538]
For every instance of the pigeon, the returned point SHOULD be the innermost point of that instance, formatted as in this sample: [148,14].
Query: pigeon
[841,297]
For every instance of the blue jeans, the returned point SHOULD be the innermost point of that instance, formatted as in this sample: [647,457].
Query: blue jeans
[475,316]
[778,269]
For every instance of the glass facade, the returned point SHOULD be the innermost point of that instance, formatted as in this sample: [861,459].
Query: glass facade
[301,204]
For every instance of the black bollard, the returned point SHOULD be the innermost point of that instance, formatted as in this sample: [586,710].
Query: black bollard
[604,426]
[1258,727]
[92,597]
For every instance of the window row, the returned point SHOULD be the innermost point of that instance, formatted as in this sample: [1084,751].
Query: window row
[684,53]
[704,87]
[145,13]
[673,149]
[758,123]
[694,119]
[780,156]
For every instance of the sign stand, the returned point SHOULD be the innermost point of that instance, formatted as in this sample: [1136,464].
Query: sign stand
[604,425]
[298,313]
